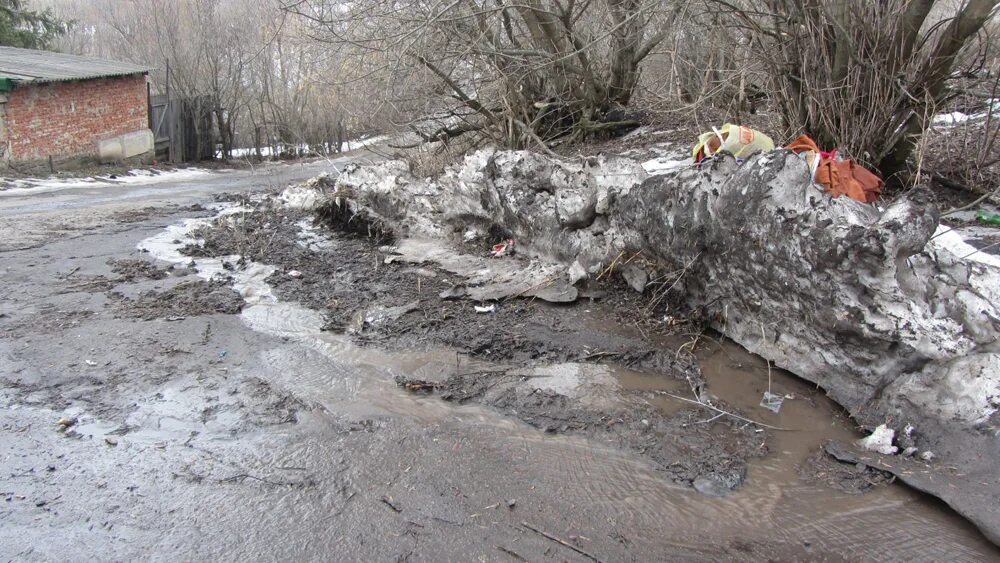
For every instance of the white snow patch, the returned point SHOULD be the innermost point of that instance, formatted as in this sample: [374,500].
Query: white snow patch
[249,281]
[131,178]
[957,117]
[953,118]
[966,390]
[300,197]
[665,165]
[302,148]
[310,237]
[641,131]
[951,240]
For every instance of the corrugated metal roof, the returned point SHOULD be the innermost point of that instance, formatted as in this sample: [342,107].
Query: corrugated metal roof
[30,65]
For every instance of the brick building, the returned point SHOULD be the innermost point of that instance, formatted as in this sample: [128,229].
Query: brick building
[57,105]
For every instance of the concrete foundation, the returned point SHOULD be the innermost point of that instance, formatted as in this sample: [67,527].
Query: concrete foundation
[125,146]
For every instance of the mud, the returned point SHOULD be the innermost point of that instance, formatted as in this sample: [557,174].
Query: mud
[710,456]
[396,305]
[347,279]
[308,437]
[131,270]
[187,299]
[844,476]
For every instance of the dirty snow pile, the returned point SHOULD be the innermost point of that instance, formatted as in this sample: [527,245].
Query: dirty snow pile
[306,196]
[898,320]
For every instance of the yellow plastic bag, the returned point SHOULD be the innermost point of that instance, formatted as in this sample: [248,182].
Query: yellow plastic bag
[739,140]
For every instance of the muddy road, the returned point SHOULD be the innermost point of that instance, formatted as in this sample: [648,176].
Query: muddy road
[313,402]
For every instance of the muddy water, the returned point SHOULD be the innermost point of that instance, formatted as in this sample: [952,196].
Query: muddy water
[891,522]
[773,506]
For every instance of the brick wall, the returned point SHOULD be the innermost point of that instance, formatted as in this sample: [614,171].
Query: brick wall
[69,118]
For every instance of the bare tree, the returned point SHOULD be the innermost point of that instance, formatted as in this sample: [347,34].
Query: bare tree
[532,71]
[261,79]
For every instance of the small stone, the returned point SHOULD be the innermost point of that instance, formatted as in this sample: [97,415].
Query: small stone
[636,277]
[111,440]
[66,422]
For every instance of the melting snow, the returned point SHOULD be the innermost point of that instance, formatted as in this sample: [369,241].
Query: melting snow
[131,178]
[665,165]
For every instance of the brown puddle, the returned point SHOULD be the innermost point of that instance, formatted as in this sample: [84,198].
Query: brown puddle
[775,506]
[774,512]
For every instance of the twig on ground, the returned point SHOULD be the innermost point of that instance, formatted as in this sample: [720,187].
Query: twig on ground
[513,554]
[244,476]
[561,542]
[662,294]
[974,203]
[978,250]
[388,502]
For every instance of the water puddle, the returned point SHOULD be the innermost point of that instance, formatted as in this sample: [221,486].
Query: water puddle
[773,505]
[895,518]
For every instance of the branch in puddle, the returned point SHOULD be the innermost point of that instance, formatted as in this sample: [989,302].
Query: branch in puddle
[718,410]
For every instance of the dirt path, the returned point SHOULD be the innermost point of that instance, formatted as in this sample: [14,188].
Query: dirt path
[197,426]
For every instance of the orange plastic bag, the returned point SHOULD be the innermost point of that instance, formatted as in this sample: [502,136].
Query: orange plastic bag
[839,177]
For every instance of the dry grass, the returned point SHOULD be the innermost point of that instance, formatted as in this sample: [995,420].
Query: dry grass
[431,159]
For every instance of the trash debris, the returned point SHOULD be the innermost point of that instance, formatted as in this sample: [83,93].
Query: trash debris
[174,319]
[988,217]
[416,385]
[740,141]
[66,421]
[772,402]
[294,274]
[839,177]
[717,484]
[90,363]
[491,308]
[379,315]
[880,441]
[503,248]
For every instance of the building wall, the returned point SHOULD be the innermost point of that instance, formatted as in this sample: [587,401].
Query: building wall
[69,118]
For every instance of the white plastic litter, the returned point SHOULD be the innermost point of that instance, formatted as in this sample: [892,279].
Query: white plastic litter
[486,309]
[880,441]
[772,402]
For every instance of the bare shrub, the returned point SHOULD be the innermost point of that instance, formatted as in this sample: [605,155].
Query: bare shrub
[864,76]
[431,159]
[533,71]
